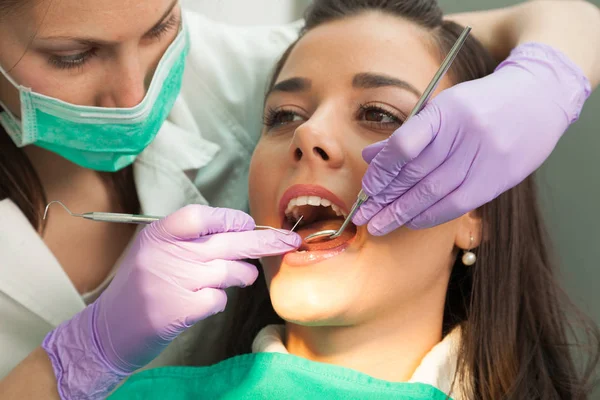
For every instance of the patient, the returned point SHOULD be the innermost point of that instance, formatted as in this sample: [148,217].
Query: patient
[408,315]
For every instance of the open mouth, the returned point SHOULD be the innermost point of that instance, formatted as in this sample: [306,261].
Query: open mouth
[317,214]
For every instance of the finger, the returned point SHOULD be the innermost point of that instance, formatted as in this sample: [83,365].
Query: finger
[450,207]
[402,147]
[446,144]
[241,245]
[220,274]
[420,197]
[458,203]
[371,151]
[206,302]
[195,220]
[367,210]
[411,174]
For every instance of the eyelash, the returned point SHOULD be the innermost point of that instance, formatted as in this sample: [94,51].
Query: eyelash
[79,60]
[164,28]
[397,120]
[272,114]
[73,61]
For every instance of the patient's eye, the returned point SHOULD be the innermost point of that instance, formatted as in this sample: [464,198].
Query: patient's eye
[379,117]
[275,117]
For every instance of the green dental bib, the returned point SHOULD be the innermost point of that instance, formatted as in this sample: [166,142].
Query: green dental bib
[268,376]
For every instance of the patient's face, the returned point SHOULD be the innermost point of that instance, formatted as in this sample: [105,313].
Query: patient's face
[334,96]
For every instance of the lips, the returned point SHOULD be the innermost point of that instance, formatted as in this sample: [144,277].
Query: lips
[323,210]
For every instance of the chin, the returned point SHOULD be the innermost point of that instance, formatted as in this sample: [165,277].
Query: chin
[310,317]
[310,302]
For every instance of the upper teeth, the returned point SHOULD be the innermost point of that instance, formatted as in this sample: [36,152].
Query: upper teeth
[316,201]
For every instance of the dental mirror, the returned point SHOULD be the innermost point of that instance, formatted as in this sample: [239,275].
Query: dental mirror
[362,197]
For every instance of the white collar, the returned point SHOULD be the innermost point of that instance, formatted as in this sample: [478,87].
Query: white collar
[30,274]
[179,138]
[438,367]
[164,172]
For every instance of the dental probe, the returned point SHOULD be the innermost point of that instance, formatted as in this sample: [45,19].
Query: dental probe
[362,196]
[138,219]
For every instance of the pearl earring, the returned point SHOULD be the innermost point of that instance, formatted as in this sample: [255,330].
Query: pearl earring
[469,257]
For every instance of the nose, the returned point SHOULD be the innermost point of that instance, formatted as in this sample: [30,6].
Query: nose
[127,85]
[315,142]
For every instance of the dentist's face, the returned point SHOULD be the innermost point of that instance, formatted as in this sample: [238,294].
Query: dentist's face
[86,52]
[347,84]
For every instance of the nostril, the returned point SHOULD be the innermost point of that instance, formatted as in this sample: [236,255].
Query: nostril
[321,153]
[298,154]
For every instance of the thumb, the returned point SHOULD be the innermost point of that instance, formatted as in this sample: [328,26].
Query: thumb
[371,151]
[402,147]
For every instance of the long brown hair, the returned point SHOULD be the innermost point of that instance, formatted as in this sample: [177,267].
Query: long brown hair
[20,182]
[518,328]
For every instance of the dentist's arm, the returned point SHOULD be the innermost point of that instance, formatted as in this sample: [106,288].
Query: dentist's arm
[476,140]
[571,26]
[173,276]
[33,378]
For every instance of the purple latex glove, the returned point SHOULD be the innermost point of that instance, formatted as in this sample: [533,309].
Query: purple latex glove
[171,278]
[472,142]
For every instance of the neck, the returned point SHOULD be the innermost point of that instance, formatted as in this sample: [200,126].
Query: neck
[79,188]
[388,348]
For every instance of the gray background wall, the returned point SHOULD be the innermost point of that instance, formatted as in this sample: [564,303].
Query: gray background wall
[569,180]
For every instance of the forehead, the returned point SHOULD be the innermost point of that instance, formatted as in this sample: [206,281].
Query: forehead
[370,42]
[108,19]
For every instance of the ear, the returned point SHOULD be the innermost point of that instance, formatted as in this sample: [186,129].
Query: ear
[469,231]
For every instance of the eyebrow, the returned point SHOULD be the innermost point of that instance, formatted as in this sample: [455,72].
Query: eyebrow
[364,80]
[367,80]
[292,85]
[94,41]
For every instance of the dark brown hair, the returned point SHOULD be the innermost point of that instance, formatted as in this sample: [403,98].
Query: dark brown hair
[519,331]
[20,182]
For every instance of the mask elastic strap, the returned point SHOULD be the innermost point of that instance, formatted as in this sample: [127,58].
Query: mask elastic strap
[11,125]
[10,79]
[4,110]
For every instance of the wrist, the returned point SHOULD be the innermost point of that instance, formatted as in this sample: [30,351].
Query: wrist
[79,365]
[551,68]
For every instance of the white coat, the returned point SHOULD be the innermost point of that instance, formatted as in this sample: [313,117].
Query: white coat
[201,155]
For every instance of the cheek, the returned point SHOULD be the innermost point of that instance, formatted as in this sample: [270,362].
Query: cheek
[75,87]
[9,95]
[33,71]
[265,176]
[418,262]
[421,252]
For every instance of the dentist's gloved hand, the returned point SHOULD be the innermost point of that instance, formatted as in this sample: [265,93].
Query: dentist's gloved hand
[171,278]
[472,142]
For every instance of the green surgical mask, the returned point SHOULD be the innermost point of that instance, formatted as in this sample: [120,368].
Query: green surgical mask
[98,138]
